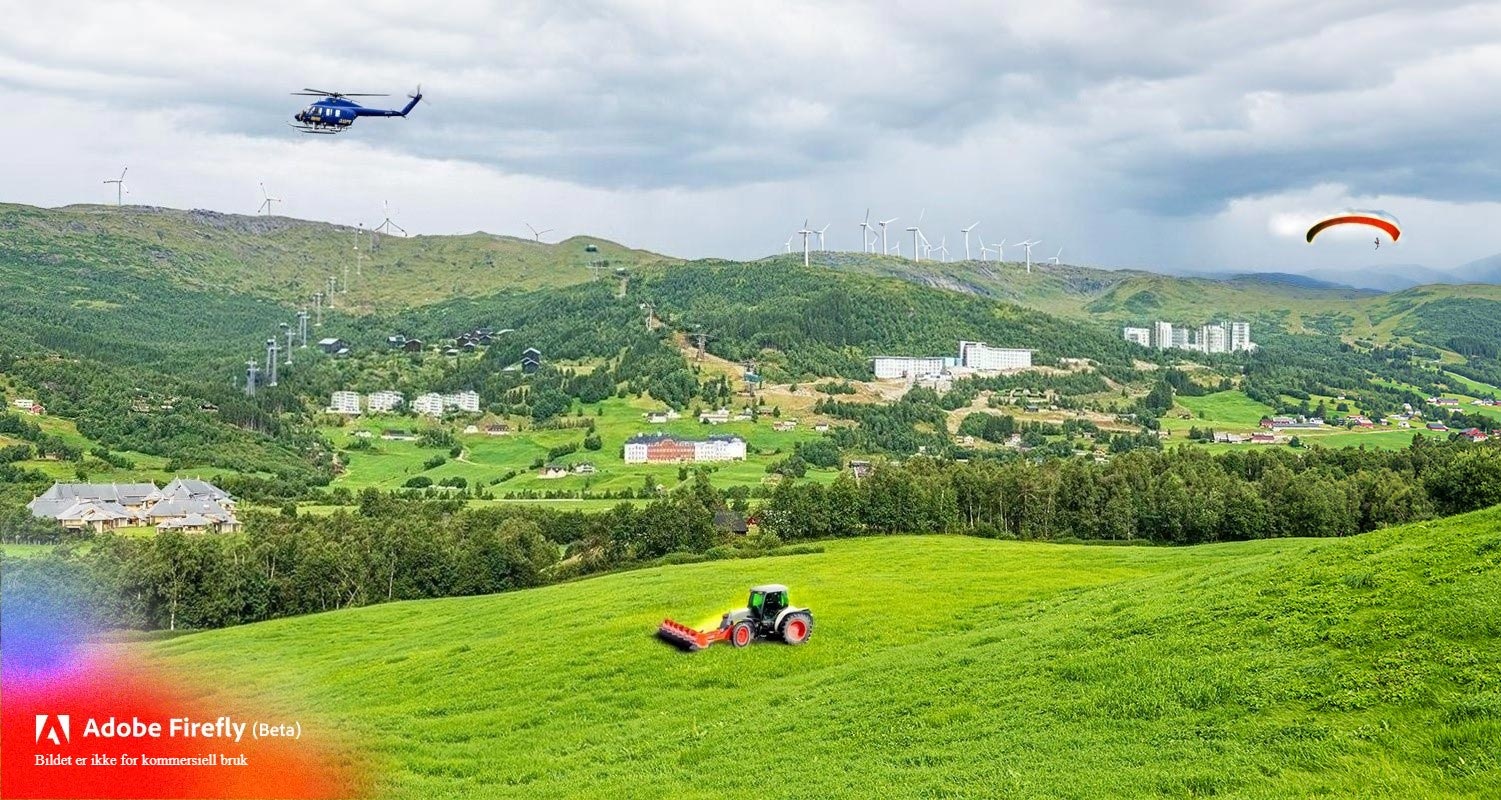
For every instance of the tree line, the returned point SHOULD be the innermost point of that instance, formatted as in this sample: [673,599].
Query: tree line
[1180,496]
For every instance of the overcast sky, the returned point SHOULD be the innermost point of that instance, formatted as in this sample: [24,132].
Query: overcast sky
[1191,136]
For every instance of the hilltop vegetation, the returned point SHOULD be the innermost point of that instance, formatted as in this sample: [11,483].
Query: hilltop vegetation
[287,260]
[939,666]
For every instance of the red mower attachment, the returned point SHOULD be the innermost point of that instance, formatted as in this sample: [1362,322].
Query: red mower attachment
[677,633]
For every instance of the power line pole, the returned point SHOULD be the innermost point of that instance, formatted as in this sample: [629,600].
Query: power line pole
[271,361]
[358,257]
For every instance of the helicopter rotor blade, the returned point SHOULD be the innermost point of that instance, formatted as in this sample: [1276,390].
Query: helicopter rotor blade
[321,93]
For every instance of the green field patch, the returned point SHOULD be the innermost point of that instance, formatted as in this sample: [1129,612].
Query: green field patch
[25,550]
[1223,411]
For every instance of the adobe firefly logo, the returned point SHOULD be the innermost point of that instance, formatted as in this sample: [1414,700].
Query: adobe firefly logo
[52,728]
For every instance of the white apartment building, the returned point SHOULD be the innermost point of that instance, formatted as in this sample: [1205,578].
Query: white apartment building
[1240,336]
[1162,335]
[344,403]
[906,366]
[384,401]
[981,356]
[462,401]
[430,404]
[719,448]
[1212,339]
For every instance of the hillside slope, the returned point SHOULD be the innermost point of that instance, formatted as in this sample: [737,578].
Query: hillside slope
[940,666]
[289,259]
[1138,297]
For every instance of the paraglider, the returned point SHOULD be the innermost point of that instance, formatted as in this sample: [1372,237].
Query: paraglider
[1376,219]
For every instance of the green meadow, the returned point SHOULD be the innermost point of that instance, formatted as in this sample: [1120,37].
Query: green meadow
[940,666]
[25,550]
[1229,410]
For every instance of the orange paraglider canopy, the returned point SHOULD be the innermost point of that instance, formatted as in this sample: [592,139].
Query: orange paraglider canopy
[1375,219]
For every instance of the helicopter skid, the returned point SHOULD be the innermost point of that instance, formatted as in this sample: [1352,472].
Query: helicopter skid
[326,131]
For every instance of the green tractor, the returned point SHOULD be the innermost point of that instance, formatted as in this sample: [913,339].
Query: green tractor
[768,614]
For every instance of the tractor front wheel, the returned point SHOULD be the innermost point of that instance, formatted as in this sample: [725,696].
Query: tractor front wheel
[796,628]
[741,634]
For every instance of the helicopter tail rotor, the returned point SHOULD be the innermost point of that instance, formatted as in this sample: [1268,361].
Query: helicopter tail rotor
[413,99]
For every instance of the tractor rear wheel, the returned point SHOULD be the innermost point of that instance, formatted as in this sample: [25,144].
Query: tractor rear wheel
[741,635]
[796,628]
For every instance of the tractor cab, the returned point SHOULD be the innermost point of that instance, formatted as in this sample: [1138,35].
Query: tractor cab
[767,601]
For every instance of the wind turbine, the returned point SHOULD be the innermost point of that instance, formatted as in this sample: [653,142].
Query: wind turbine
[984,251]
[966,231]
[1054,259]
[805,233]
[386,224]
[883,223]
[267,202]
[943,248]
[820,233]
[120,189]
[865,233]
[787,245]
[916,231]
[536,234]
[1029,244]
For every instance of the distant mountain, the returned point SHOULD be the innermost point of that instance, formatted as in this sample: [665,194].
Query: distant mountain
[1387,277]
[1292,279]
[1126,296]
[1383,278]
[1482,270]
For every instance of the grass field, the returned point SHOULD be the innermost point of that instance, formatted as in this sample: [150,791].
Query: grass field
[940,667]
[1379,438]
[25,550]
[1222,411]
[1475,387]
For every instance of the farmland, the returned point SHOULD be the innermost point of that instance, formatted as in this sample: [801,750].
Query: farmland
[1277,668]
[486,458]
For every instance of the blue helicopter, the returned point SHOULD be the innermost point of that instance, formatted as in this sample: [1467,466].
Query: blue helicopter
[334,113]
